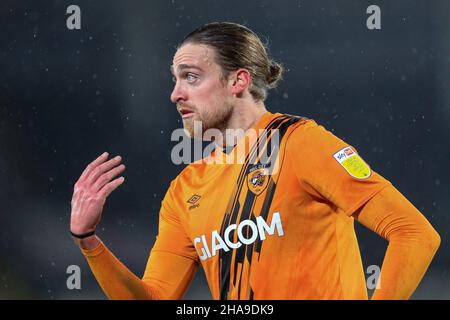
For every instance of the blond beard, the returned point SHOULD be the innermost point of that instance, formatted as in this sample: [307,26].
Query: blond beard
[217,120]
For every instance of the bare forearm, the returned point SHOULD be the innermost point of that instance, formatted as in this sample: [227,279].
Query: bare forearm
[88,243]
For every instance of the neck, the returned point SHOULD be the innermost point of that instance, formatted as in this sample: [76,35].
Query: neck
[244,117]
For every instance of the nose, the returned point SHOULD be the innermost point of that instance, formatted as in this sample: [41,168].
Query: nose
[177,93]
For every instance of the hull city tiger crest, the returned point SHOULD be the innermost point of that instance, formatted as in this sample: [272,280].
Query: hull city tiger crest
[257,179]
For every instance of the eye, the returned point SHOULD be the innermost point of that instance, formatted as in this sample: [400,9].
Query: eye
[190,77]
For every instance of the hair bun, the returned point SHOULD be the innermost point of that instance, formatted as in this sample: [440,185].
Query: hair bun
[275,74]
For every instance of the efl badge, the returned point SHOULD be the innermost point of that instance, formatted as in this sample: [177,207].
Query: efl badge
[353,163]
[257,179]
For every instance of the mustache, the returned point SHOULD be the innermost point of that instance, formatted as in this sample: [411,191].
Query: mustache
[184,107]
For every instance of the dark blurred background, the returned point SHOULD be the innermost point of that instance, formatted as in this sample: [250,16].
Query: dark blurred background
[68,95]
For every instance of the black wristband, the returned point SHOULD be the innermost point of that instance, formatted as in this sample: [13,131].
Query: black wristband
[82,236]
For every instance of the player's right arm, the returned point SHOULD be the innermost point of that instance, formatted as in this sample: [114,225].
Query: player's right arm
[168,271]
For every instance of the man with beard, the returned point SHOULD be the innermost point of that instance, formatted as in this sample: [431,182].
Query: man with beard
[259,230]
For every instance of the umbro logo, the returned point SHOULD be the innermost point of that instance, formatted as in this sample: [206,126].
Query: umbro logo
[193,201]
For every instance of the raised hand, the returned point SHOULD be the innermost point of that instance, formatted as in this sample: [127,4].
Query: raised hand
[91,190]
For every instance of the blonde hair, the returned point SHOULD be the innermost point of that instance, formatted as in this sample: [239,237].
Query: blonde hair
[237,47]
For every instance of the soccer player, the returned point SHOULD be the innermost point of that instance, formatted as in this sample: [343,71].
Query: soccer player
[259,231]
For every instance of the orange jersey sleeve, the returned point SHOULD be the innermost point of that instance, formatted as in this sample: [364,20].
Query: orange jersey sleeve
[172,236]
[170,268]
[173,259]
[331,169]
[115,279]
[412,242]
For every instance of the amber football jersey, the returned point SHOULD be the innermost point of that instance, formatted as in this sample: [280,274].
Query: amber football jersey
[276,225]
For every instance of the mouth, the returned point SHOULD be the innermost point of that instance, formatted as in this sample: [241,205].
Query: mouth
[185,113]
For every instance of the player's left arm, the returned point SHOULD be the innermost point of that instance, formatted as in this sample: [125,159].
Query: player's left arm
[412,242]
[329,168]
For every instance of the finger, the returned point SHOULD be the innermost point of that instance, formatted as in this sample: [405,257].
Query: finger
[99,170]
[111,186]
[107,177]
[91,166]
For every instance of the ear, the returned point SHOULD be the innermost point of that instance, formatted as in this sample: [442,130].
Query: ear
[240,81]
